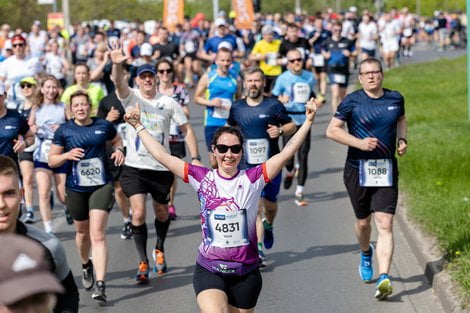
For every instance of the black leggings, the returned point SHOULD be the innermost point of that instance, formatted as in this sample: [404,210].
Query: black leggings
[302,155]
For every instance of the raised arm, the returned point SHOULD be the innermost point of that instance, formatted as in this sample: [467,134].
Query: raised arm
[275,164]
[172,163]
[118,58]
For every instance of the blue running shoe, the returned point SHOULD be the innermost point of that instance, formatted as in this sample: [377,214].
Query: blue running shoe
[366,271]
[268,239]
[384,287]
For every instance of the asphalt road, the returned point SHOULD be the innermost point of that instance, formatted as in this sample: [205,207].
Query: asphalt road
[313,266]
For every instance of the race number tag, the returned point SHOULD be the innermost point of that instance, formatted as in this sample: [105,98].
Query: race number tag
[257,150]
[339,79]
[189,46]
[376,173]
[301,92]
[42,152]
[139,146]
[227,228]
[122,131]
[271,58]
[224,111]
[318,60]
[90,172]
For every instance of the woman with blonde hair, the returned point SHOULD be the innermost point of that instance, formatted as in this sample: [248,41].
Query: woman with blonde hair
[46,116]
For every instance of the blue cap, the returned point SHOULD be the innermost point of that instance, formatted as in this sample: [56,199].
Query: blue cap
[144,68]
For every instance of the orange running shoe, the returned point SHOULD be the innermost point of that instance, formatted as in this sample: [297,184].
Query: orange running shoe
[160,263]
[142,275]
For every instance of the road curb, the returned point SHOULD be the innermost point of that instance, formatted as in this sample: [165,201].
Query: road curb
[430,260]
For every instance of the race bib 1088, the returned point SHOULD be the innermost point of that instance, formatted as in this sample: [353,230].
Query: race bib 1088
[376,173]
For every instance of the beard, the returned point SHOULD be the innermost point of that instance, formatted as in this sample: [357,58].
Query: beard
[254,93]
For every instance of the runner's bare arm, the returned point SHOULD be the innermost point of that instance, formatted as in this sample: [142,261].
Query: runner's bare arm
[275,164]
[337,132]
[172,163]
[118,57]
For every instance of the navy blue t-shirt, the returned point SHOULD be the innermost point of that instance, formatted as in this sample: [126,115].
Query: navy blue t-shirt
[92,138]
[376,118]
[254,120]
[11,125]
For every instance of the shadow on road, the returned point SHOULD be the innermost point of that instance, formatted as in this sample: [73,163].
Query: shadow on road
[283,258]
[315,196]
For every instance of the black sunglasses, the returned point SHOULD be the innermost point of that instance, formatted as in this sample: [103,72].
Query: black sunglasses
[224,148]
[17,45]
[168,71]
[26,85]
[295,60]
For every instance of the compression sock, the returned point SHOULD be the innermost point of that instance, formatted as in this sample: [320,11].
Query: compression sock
[161,229]
[140,238]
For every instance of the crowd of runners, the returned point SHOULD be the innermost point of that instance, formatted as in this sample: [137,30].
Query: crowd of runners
[122,130]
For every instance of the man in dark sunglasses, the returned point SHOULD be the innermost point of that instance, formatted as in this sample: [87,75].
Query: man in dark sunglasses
[262,121]
[15,68]
[293,88]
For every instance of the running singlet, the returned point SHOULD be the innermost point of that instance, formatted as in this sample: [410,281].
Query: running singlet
[253,122]
[92,170]
[11,125]
[299,88]
[228,209]
[225,88]
[369,117]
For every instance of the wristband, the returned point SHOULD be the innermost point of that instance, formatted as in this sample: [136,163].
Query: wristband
[198,157]
[406,141]
[120,149]
[139,129]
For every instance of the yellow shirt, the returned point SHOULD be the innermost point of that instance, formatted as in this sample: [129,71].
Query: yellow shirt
[271,49]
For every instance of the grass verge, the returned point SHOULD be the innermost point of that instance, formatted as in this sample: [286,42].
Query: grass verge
[435,172]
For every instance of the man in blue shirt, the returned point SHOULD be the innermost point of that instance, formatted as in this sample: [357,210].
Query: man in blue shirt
[294,88]
[375,118]
[262,121]
[222,38]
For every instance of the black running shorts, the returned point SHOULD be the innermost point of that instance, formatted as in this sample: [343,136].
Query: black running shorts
[242,291]
[137,181]
[366,200]
[79,204]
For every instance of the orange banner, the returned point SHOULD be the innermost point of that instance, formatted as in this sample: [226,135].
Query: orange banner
[55,19]
[245,13]
[173,13]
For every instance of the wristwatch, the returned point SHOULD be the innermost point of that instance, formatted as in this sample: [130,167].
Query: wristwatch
[198,157]
[281,131]
[403,139]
